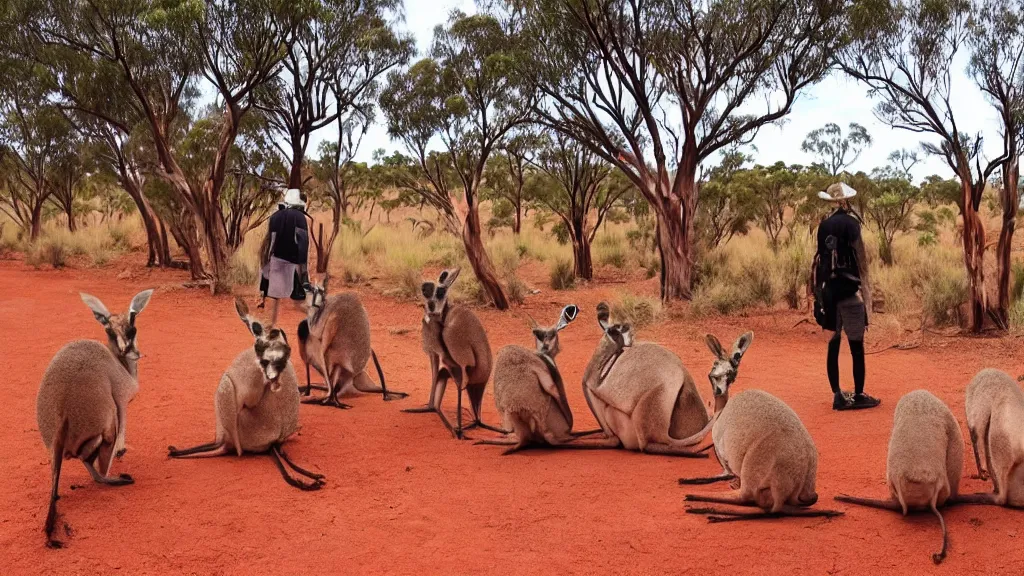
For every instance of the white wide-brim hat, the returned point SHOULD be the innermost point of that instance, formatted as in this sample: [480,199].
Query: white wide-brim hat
[837,193]
[292,197]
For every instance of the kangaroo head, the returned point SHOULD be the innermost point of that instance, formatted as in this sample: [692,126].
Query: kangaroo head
[435,295]
[620,334]
[271,346]
[316,295]
[726,367]
[120,328]
[547,337]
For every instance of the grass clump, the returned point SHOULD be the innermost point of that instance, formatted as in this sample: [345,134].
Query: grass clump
[562,275]
[609,249]
[640,311]
[945,289]
[51,250]
[718,298]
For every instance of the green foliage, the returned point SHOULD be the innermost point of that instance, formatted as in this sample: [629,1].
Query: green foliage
[833,150]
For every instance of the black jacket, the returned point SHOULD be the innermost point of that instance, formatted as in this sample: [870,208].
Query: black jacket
[840,233]
[290,236]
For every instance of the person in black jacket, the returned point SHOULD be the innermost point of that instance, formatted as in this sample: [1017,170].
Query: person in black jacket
[285,252]
[842,291]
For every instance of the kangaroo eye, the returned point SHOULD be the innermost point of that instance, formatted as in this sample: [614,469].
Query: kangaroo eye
[439,294]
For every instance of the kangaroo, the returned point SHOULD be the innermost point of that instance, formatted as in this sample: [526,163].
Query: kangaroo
[640,393]
[257,404]
[529,393]
[81,407]
[457,346]
[926,458]
[995,420]
[763,448]
[335,340]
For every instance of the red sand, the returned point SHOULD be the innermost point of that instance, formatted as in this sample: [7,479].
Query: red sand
[403,497]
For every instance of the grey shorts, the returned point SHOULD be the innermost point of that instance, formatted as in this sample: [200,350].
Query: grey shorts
[280,275]
[851,318]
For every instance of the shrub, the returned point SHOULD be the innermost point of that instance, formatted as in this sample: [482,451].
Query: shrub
[516,289]
[1017,281]
[1017,316]
[640,311]
[52,250]
[945,289]
[563,276]
[720,298]
[610,250]
[756,280]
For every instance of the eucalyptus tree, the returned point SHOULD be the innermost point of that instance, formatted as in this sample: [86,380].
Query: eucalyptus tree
[835,151]
[581,189]
[32,135]
[997,66]
[467,94]
[332,64]
[160,52]
[656,87]
[906,52]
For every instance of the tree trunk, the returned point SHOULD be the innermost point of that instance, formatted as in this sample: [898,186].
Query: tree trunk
[675,241]
[974,257]
[295,174]
[1010,199]
[210,211]
[478,259]
[71,219]
[584,266]
[165,245]
[187,237]
[323,253]
[517,224]
[36,225]
[885,248]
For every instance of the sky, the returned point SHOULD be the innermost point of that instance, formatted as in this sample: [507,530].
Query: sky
[836,99]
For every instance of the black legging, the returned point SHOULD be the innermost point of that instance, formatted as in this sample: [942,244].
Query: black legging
[857,352]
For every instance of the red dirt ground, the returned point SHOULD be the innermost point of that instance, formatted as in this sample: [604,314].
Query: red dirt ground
[403,497]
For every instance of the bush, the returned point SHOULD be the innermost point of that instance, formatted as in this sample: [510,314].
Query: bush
[516,289]
[640,311]
[945,289]
[1017,281]
[51,250]
[756,280]
[563,276]
[795,271]
[720,298]
[1017,316]
[610,250]
[505,255]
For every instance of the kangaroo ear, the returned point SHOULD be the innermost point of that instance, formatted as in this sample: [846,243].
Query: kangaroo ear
[139,301]
[740,348]
[98,309]
[243,312]
[568,315]
[539,335]
[448,277]
[327,278]
[715,346]
[603,315]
